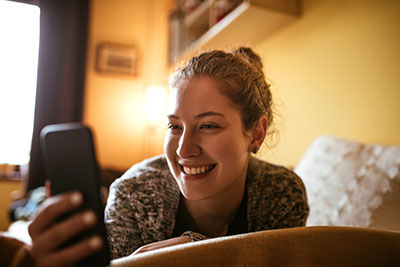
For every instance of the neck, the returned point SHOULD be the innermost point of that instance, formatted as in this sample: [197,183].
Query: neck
[212,216]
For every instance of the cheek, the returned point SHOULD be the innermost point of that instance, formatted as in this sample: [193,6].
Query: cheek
[229,148]
[234,159]
[170,146]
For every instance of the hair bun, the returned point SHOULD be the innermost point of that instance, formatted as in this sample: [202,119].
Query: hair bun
[248,54]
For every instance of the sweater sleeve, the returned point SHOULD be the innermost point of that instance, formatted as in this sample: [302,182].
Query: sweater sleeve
[277,198]
[121,222]
[141,207]
[292,209]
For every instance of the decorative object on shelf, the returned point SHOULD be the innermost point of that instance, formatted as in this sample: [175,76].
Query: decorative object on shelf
[189,6]
[176,34]
[117,58]
[219,24]
[223,8]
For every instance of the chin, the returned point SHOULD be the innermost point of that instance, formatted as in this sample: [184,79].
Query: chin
[193,195]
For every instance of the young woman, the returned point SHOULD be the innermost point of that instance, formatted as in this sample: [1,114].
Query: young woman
[207,184]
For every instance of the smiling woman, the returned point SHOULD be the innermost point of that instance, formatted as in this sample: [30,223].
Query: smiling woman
[208,184]
[19,49]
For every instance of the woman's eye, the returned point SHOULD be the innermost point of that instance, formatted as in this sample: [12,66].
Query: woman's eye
[209,126]
[173,127]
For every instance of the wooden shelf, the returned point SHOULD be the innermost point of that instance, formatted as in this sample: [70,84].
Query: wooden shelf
[199,15]
[247,24]
[198,22]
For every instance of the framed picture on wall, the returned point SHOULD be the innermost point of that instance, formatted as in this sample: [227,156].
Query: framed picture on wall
[117,58]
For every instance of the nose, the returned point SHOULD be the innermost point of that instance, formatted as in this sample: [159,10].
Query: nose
[188,145]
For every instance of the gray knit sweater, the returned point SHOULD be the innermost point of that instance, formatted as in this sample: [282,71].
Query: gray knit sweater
[143,203]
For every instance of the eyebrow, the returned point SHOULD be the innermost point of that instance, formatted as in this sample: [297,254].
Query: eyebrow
[208,114]
[201,115]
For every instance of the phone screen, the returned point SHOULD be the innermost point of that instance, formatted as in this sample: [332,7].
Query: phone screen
[71,165]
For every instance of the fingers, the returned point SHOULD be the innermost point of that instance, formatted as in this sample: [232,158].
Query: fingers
[61,232]
[51,209]
[48,188]
[47,234]
[163,244]
[69,256]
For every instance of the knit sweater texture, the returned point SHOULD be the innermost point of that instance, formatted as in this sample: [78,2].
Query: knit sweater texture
[143,203]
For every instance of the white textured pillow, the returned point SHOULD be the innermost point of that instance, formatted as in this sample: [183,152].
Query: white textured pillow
[352,184]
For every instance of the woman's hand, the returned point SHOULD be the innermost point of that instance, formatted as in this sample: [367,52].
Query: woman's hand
[163,244]
[47,235]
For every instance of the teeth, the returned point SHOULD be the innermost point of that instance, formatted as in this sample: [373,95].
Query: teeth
[198,170]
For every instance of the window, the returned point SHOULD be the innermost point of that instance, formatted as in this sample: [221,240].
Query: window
[19,49]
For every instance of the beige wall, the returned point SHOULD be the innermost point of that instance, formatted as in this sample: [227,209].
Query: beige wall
[113,103]
[336,70]
[333,71]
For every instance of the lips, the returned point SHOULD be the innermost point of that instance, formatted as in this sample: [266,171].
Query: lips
[198,169]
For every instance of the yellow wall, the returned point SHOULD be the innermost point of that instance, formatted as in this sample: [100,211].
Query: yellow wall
[333,71]
[114,103]
[336,70]
[6,187]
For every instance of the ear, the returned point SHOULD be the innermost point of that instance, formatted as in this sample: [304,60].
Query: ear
[258,134]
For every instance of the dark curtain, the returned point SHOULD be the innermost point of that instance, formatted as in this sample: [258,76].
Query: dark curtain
[61,72]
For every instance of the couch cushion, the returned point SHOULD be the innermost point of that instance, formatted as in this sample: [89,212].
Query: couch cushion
[352,184]
[302,246]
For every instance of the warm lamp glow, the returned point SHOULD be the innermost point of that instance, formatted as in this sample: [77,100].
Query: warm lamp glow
[156,103]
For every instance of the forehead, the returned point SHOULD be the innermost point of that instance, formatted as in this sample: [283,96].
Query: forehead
[199,95]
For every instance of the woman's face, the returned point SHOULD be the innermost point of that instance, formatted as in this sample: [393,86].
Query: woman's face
[206,146]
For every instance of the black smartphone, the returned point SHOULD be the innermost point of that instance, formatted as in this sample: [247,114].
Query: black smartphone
[69,155]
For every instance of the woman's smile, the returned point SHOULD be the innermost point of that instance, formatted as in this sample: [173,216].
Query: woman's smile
[197,170]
